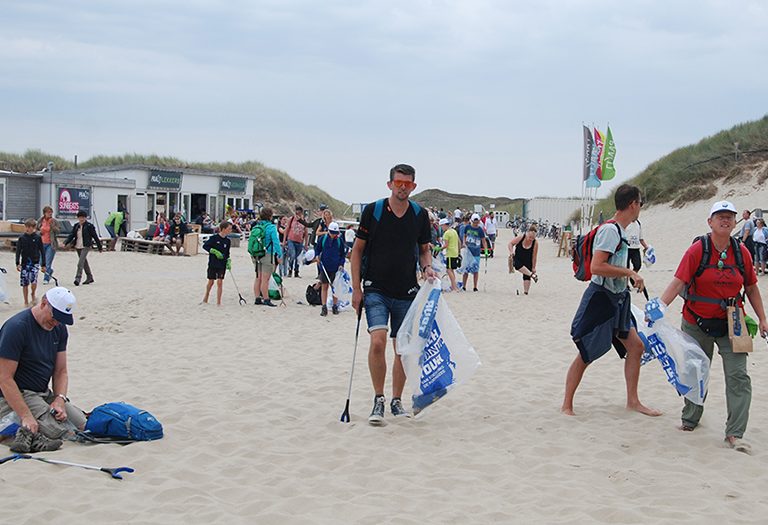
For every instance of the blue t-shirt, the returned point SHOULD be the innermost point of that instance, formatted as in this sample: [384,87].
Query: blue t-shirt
[33,348]
[607,239]
[332,252]
[474,236]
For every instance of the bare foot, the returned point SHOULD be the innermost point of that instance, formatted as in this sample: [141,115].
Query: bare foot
[644,410]
[567,411]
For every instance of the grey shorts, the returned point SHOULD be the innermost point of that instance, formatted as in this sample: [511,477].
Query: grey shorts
[39,404]
[265,265]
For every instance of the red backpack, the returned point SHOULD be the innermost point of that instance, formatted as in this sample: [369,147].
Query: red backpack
[582,252]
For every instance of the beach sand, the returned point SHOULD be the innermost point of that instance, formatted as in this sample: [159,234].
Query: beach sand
[250,399]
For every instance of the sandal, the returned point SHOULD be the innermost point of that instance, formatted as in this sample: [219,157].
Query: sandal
[535,277]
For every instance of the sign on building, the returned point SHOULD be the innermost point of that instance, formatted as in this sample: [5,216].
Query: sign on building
[72,200]
[164,180]
[232,185]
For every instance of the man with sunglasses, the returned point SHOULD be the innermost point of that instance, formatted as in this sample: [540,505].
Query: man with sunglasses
[392,248]
[33,353]
[604,316]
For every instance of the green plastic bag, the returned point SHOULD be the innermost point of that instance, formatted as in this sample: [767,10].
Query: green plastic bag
[751,326]
[275,283]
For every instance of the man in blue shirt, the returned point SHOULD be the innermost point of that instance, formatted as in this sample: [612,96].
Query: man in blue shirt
[475,240]
[331,253]
[33,354]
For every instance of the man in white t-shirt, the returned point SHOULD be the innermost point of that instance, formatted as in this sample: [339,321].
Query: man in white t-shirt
[490,230]
[635,241]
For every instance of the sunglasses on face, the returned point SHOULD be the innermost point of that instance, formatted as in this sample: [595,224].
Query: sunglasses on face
[403,184]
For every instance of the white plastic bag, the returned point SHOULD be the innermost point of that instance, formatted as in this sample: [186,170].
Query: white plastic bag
[9,424]
[3,293]
[435,354]
[466,260]
[342,288]
[682,359]
[441,270]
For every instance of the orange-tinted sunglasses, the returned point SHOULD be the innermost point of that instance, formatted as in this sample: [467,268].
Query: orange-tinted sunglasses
[404,184]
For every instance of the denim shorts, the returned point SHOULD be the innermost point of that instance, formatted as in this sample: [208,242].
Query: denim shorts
[379,309]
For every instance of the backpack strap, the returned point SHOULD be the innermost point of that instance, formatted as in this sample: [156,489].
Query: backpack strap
[706,254]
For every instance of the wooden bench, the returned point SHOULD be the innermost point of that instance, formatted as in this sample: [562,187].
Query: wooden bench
[142,246]
[104,241]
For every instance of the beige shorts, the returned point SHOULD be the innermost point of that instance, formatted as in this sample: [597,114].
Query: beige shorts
[265,265]
[39,404]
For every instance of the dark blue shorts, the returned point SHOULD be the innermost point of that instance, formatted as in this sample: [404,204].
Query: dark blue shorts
[380,309]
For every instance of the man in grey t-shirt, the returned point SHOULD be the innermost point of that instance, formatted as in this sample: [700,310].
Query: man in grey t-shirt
[604,316]
[747,229]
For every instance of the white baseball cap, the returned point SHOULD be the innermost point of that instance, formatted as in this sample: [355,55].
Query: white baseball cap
[722,206]
[63,303]
[333,227]
[309,256]
[475,217]
[445,221]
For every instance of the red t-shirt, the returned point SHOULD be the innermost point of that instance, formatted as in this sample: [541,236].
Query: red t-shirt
[713,283]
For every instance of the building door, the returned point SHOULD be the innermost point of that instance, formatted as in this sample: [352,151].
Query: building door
[139,212]
[198,205]
[123,204]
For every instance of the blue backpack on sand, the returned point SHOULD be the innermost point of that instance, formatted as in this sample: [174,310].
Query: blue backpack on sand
[121,420]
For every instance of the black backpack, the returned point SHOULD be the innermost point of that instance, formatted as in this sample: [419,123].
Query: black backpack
[313,296]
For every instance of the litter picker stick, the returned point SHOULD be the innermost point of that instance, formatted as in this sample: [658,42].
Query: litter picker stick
[114,472]
[345,415]
[241,300]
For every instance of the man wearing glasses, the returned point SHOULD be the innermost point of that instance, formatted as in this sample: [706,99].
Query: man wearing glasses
[392,247]
[33,353]
[604,317]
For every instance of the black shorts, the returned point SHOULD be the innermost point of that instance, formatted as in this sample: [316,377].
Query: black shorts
[331,276]
[453,263]
[216,273]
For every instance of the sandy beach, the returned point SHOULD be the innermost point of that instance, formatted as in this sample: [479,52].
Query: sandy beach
[250,399]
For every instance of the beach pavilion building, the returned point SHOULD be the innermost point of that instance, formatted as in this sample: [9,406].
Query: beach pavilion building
[144,191]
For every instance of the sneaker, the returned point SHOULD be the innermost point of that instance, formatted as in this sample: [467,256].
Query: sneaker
[257,301]
[77,282]
[335,309]
[397,408]
[377,414]
[535,277]
[89,280]
[23,441]
[267,302]
[41,443]
[323,311]
[474,289]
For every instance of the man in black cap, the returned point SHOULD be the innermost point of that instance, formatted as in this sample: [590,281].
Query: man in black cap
[33,354]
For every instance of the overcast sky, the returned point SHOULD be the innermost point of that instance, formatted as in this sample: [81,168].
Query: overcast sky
[482,97]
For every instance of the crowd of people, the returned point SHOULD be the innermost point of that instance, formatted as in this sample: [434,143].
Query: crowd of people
[390,251]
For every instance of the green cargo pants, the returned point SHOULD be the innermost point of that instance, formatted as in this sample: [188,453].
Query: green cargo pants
[738,386]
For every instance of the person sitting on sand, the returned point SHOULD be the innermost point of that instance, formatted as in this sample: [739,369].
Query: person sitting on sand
[525,252]
[33,354]
[704,315]
[604,316]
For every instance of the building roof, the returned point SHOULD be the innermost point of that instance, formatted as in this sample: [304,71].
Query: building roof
[126,167]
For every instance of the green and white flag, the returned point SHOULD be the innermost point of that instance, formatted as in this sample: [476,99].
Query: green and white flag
[609,154]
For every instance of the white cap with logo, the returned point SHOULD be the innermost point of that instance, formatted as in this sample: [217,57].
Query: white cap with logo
[62,302]
[333,227]
[475,217]
[722,206]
